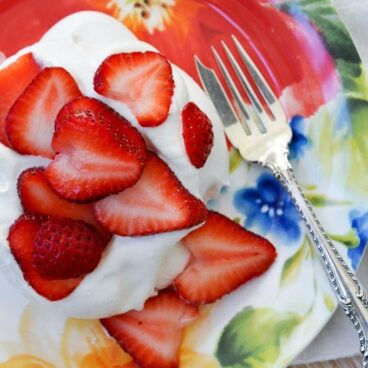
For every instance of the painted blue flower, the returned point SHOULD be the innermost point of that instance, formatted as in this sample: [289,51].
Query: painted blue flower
[269,209]
[360,224]
[299,141]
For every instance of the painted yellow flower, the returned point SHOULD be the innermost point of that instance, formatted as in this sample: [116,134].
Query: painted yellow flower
[96,350]
[49,342]
[189,357]
[25,361]
[147,17]
[151,14]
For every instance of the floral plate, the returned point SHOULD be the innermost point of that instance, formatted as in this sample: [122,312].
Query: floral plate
[309,59]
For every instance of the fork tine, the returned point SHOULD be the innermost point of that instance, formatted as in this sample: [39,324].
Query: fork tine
[263,116]
[249,126]
[266,91]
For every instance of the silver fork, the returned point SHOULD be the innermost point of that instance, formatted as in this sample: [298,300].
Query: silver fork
[263,137]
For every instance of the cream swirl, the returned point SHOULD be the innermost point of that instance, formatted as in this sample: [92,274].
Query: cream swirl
[132,269]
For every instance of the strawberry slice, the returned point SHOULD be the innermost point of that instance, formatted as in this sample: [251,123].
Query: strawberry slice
[31,120]
[99,152]
[21,238]
[13,80]
[64,249]
[223,256]
[142,80]
[37,197]
[197,134]
[153,336]
[157,203]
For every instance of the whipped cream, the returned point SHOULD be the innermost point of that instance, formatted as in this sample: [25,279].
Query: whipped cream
[132,268]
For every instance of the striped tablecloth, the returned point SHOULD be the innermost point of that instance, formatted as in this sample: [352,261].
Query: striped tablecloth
[354,362]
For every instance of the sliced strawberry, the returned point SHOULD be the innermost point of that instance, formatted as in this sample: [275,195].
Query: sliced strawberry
[153,336]
[142,80]
[156,204]
[197,134]
[99,152]
[37,197]
[223,256]
[65,248]
[30,123]
[21,238]
[13,80]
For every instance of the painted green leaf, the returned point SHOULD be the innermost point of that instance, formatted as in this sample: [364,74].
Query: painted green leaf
[237,220]
[253,338]
[312,249]
[311,187]
[349,239]
[320,200]
[358,144]
[333,31]
[336,35]
[358,113]
[354,79]
[235,160]
[330,303]
[292,265]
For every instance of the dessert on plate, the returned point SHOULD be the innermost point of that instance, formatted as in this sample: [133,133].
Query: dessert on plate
[108,155]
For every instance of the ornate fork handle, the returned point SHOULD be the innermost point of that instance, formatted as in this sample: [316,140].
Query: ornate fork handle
[351,295]
[268,146]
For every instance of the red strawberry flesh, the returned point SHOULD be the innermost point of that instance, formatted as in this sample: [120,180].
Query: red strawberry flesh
[157,203]
[141,80]
[21,238]
[197,134]
[30,122]
[37,197]
[14,78]
[99,152]
[224,256]
[64,249]
[153,336]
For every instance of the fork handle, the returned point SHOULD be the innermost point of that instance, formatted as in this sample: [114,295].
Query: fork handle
[351,295]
